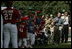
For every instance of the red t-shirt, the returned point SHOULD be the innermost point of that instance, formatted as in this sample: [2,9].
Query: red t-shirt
[22,29]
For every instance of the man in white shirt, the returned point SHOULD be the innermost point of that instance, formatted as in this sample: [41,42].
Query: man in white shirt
[65,27]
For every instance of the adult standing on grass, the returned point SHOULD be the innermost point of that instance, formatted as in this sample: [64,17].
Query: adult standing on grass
[58,22]
[10,18]
[65,27]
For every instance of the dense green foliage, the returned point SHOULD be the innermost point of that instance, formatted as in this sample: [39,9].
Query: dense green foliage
[49,7]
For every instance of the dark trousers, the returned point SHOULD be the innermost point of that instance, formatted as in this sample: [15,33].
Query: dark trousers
[65,33]
[56,35]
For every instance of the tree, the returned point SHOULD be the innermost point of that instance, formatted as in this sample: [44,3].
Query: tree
[50,7]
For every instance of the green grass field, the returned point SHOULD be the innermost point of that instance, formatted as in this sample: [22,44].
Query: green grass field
[62,45]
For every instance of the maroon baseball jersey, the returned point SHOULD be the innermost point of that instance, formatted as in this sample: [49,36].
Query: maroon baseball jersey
[22,30]
[10,15]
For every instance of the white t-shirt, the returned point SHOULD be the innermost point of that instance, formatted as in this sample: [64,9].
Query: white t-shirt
[66,20]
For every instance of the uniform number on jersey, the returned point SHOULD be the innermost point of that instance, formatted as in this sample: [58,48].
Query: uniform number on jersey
[8,15]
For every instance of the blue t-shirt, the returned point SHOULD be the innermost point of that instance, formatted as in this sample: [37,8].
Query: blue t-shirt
[38,20]
[30,27]
[59,21]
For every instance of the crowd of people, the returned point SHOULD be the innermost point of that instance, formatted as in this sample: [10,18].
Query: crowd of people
[26,31]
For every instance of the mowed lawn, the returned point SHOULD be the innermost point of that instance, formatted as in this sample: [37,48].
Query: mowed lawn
[61,45]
